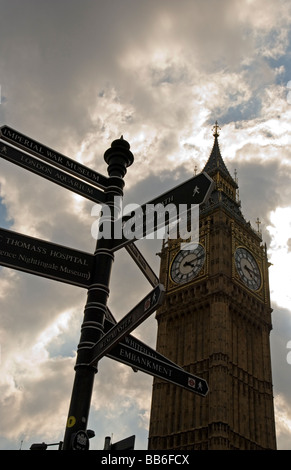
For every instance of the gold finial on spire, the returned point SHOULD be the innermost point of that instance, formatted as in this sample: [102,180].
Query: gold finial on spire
[195,170]
[215,128]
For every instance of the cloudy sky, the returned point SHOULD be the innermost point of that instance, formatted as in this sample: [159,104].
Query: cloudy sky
[75,75]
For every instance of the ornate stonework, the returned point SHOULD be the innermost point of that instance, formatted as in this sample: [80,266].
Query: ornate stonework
[217,325]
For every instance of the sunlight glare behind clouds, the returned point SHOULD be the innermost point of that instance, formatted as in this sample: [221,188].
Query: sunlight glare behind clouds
[280,256]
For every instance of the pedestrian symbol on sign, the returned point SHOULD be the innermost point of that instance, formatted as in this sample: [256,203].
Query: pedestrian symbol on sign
[147,304]
[191,382]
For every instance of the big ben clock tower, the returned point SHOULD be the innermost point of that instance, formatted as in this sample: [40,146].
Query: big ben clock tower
[215,322]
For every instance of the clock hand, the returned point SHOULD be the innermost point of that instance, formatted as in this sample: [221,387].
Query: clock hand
[189,263]
[250,271]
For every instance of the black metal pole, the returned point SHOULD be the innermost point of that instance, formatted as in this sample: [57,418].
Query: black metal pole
[118,158]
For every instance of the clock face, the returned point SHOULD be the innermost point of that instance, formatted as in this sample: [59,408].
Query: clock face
[248,268]
[187,264]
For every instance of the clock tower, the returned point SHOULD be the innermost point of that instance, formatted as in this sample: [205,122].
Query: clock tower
[215,322]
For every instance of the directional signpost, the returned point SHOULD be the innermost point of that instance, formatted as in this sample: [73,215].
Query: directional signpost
[45,259]
[51,173]
[55,158]
[128,323]
[100,333]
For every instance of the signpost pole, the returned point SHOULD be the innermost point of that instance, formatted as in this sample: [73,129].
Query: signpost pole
[118,158]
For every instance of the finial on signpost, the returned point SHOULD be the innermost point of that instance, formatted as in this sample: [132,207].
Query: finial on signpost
[120,155]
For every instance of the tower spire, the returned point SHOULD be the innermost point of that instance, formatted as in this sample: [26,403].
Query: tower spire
[215,129]
[215,162]
[226,187]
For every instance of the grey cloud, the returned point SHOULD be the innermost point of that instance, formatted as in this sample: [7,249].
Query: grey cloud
[280,336]
[36,396]
[258,187]
[65,54]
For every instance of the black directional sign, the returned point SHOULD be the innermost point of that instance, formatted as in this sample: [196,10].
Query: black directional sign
[53,157]
[51,173]
[136,344]
[45,259]
[133,352]
[146,219]
[128,323]
[153,366]
[193,191]
[142,264]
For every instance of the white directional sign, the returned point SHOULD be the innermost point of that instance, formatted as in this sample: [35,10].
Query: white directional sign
[128,323]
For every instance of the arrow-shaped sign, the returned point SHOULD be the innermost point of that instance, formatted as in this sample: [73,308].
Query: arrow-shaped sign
[55,158]
[165,207]
[134,343]
[51,173]
[153,366]
[35,256]
[142,264]
[128,323]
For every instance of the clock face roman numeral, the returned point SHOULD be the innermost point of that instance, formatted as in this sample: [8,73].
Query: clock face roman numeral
[248,268]
[187,264]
